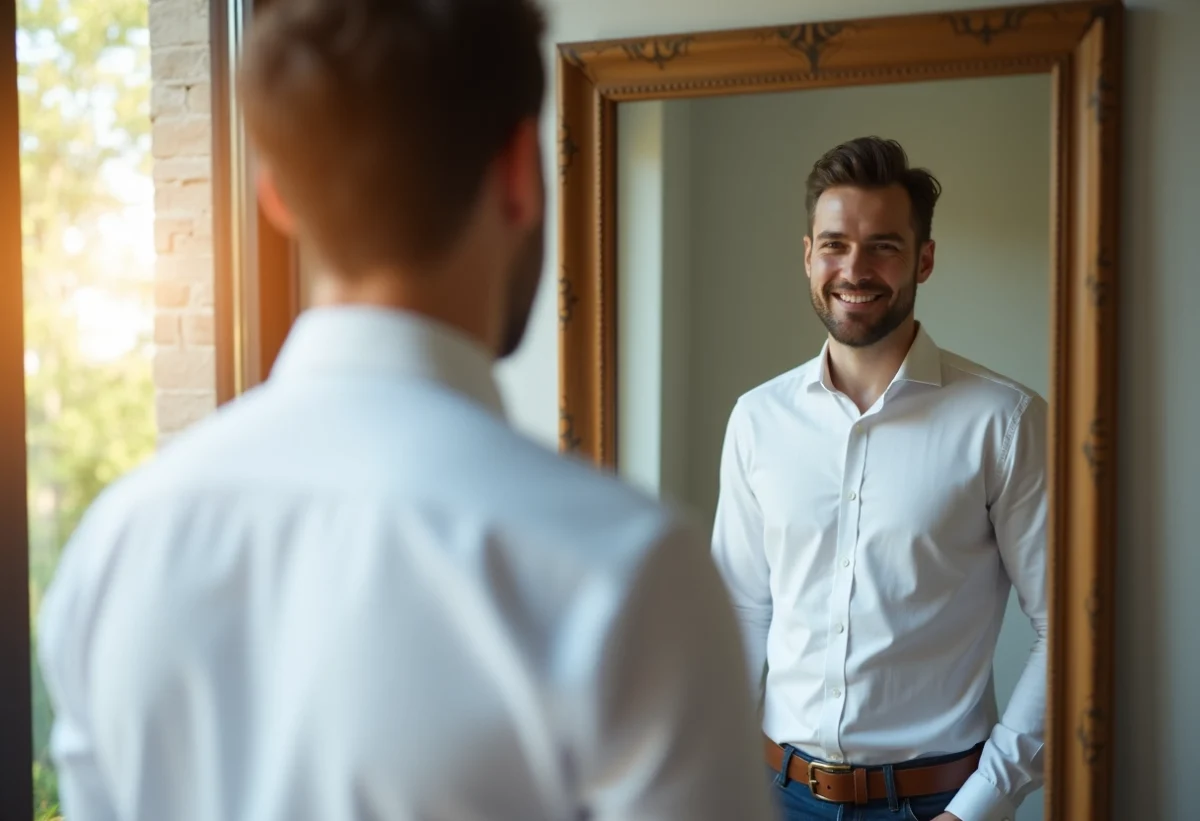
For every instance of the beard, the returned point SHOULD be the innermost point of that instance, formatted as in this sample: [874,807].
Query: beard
[863,331]
[524,279]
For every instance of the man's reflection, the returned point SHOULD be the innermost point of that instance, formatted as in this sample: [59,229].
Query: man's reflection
[876,504]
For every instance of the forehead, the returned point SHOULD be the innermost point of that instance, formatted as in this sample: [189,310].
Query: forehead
[851,210]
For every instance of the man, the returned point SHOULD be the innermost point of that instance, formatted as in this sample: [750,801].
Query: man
[356,593]
[876,504]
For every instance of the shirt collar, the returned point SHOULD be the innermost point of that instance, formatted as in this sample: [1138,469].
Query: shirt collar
[922,364]
[389,344]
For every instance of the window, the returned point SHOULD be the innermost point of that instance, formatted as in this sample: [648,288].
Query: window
[108,343]
[145,287]
[87,230]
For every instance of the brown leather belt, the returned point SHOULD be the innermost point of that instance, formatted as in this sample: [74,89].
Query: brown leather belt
[844,784]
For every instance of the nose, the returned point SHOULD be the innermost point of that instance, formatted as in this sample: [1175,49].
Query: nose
[856,264]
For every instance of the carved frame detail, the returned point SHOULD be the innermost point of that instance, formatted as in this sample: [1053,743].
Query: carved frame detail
[1081,45]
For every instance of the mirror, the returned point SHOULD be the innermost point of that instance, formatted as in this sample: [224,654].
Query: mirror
[713,300]
[682,217]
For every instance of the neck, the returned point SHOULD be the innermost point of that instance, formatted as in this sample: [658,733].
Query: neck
[437,295]
[863,374]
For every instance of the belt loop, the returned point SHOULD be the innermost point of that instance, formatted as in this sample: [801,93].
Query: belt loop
[788,752]
[889,777]
[862,791]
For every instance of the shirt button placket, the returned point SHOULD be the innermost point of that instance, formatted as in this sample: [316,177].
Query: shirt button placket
[839,636]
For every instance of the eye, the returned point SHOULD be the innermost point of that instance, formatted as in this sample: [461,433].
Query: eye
[887,248]
[833,245]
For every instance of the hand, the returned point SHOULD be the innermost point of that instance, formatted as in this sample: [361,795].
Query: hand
[947,817]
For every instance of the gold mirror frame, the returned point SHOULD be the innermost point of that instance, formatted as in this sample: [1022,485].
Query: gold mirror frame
[1080,45]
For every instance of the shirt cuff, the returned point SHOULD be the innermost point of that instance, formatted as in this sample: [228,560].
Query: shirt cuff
[979,800]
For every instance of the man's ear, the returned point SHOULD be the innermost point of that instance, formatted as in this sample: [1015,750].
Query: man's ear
[522,179]
[808,248]
[925,264]
[272,203]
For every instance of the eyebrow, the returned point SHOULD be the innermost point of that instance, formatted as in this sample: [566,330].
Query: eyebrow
[892,237]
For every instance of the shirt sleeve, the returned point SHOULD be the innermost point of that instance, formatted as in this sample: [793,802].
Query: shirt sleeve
[674,735]
[1012,766]
[737,547]
[63,643]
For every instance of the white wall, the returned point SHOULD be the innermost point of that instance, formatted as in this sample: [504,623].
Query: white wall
[1158,658]
[1158,559]
[677,325]
[654,173]
[640,213]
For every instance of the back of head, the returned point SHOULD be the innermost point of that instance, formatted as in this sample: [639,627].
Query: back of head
[378,119]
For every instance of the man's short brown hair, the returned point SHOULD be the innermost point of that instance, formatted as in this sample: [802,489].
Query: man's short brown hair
[872,162]
[379,118]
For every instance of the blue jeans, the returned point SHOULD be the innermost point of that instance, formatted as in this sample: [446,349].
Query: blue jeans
[795,801]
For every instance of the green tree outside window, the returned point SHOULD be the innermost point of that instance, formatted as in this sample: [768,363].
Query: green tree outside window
[84,81]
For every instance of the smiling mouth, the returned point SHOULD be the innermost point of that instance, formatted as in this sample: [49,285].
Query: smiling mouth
[857,299]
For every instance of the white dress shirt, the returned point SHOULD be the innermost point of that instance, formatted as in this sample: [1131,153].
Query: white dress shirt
[356,593]
[870,558]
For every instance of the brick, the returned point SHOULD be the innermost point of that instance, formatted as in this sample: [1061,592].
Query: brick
[202,295]
[176,168]
[187,197]
[197,330]
[184,269]
[195,196]
[178,410]
[167,101]
[164,213]
[181,137]
[189,245]
[171,294]
[172,225]
[183,65]
[199,98]
[202,226]
[189,369]
[168,232]
[180,111]
[172,8]
[166,330]
[177,23]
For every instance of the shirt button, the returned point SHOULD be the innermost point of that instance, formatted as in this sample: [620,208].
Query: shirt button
[841,628]
[845,562]
[837,693]
[853,495]
[835,758]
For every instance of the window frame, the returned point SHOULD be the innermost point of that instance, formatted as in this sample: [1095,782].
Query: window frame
[257,287]
[16,704]
[256,297]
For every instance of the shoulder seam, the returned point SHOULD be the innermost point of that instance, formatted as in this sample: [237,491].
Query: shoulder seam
[1010,433]
[995,379]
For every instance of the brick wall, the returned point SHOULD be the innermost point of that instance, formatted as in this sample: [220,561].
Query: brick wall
[184,374]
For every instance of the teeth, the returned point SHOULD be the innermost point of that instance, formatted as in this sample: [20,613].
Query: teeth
[854,299]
